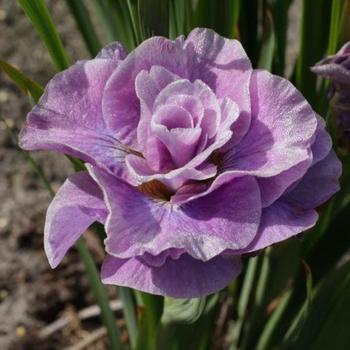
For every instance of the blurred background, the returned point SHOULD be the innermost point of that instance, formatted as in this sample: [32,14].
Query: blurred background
[32,296]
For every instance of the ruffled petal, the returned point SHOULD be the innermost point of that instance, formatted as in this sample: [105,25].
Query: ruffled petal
[273,188]
[147,86]
[121,107]
[281,133]
[69,119]
[319,183]
[224,66]
[279,222]
[184,277]
[140,172]
[113,51]
[220,63]
[76,205]
[226,219]
[323,142]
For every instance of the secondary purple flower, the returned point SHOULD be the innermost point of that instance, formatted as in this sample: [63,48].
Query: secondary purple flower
[337,69]
[193,159]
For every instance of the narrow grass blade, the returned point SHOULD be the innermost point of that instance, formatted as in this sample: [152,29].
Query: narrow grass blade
[222,16]
[268,43]
[129,311]
[335,31]
[35,166]
[39,15]
[326,323]
[101,297]
[276,275]
[248,28]
[309,283]
[264,340]
[335,26]
[115,19]
[314,30]
[86,28]
[104,11]
[134,15]
[29,86]
[154,17]
[149,321]
[244,300]
[279,11]
[322,263]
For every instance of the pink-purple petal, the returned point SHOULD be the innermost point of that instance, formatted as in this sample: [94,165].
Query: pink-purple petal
[281,132]
[120,104]
[184,277]
[76,205]
[226,219]
[140,172]
[113,51]
[279,222]
[224,66]
[319,183]
[69,118]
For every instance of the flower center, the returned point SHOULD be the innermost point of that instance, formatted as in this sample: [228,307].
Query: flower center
[156,189]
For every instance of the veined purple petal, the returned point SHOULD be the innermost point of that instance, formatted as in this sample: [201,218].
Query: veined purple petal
[113,51]
[294,212]
[281,132]
[77,204]
[273,187]
[226,219]
[184,277]
[211,115]
[140,172]
[279,222]
[319,183]
[224,66]
[147,87]
[120,104]
[69,118]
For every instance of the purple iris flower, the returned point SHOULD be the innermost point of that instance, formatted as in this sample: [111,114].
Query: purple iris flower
[336,68]
[193,159]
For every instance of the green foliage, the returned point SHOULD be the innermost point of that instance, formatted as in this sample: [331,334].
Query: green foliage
[87,30]
[222,16]
[115,19]
[154,17]
[314,30]
[28,86]
[187,323]
[248,28]
[326,323]
[39,15]
[152,309]
[129,310]
[268,43]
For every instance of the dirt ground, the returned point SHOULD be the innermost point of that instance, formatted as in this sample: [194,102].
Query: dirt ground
[32,295]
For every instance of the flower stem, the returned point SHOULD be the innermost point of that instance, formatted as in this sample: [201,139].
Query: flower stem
[243,300]
[101,297]
[126,296]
